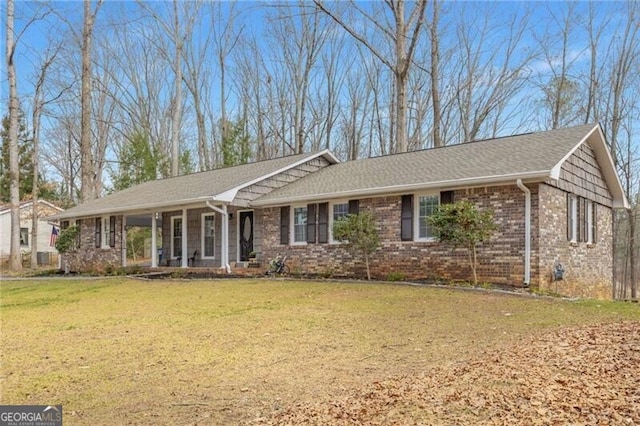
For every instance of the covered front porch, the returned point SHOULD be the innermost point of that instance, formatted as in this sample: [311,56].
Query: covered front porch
[205,236]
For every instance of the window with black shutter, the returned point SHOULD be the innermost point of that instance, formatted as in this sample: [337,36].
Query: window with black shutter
[78,238]
[98,231]
[311,223]
[284,225]
[323,223]
[406,221]
[354,206]
[446,197]
[112,231]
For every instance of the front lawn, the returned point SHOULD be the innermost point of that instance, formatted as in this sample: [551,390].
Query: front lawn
[123,351]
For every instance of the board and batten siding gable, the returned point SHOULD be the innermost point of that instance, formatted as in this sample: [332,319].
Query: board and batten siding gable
[581,175]
[245,196]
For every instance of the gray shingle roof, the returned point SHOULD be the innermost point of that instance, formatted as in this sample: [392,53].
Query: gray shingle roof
[527,156]
[183,190]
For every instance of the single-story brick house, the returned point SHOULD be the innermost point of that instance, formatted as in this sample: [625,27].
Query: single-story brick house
[552,194]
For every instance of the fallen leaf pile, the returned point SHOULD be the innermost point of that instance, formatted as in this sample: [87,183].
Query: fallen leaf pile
[580,375]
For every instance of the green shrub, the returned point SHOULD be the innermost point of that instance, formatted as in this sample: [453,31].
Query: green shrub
[396,276]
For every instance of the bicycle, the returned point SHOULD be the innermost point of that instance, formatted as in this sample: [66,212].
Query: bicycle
[278,266]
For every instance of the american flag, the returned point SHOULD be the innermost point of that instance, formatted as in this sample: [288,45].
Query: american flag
[54,236]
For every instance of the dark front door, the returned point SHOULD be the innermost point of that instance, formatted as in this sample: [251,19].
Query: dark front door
[246,235]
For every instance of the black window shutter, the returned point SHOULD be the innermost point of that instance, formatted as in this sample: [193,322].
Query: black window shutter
[98,231]
[354,206]
[284,225]
[311,223]
[406,222]
[446,197]
[78,238]
[323,223]
[112,231]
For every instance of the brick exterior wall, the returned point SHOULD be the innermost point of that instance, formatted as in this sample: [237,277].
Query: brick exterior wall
[87,257]
[499,260]
[588,267]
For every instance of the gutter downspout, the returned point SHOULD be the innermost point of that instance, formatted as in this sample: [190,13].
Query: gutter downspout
[224,255]
[527,232]
[154,240]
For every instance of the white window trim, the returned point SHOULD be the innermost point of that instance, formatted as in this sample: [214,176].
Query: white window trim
[171,237]
[331,204]
[202,229]
[292,233]
[106,232]
[590,210]
[416,215]
[573,206]
[28,235]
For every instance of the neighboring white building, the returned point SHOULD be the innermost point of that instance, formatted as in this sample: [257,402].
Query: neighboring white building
[45,227]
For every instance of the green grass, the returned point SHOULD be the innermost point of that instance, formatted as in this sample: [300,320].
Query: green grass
[118,351]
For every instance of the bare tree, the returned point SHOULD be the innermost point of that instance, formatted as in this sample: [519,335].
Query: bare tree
[403,35]
[618,105]
[39,103]
[435,74]
[15,263]
[300,36]
[177,30]
[87,166]
[225,36]
[488,74]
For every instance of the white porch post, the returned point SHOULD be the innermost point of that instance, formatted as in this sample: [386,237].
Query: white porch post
[225,239]
[154,243]
[124,241]
[185,255]
[224,230]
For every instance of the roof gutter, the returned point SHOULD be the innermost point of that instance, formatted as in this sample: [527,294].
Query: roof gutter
[527,232]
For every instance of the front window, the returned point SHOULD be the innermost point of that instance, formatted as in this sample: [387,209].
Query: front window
[176,236]
[300,224]
[106,232]
[208,235]
[338,211]
[24,236]
[427,205]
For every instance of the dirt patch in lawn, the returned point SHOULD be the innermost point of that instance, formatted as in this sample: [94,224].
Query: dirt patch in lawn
[122,351]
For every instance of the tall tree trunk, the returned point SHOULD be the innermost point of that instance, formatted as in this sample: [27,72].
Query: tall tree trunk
[37,109]
[15,262]
[631,248]
[86,155]
[177,105]
[435,76]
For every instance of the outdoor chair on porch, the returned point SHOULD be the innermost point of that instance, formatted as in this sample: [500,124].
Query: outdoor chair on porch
[191,261]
